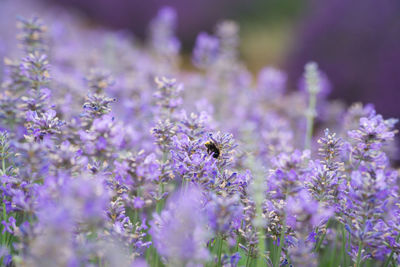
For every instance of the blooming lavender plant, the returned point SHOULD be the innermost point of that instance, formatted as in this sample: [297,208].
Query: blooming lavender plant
[107,161]
[179,233]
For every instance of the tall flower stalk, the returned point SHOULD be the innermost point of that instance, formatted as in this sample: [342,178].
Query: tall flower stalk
[312,79]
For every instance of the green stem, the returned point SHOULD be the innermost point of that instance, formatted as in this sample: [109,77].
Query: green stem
[148,255]
[219,252]
[3,236]
[273,248]
[344,246]
[3,160]
[333,253]
[237,241]
[310,121]
[322,237]
[249,256]
[3,166]
[313,87]
[360,246]
[160,203]
[261,247]
[277,259]
[157,260]
[391,253]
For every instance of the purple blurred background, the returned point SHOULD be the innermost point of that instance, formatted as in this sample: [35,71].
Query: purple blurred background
[356,43]
[135,15]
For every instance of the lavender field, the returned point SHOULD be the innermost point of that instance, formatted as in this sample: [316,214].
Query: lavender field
[113,154]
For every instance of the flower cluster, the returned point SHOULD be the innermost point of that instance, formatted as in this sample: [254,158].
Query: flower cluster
[106,161]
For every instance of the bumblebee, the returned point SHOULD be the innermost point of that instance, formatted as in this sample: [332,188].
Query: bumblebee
[213,149]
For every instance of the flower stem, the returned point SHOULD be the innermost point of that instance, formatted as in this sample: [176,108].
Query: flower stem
[310,122]
[160,202]
[387,262]
[249,256]
[313,87]
[344,246]
[360,246]
[261,247]
[333,253]
[3,166]
[219,251]
[277,258]
[4,235]
[238,239]
[322,237]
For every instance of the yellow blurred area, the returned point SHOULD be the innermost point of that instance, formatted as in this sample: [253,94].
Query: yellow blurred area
[266,44]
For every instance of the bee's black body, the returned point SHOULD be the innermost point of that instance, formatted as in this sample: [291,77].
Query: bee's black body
[212,149]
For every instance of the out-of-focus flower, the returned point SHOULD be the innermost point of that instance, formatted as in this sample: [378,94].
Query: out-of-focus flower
[32,34]
[35,67]
[326,180]
[97,105]
[121,228]
[206,50]
[163,133]
[168,94]
[162,33]
[373,132]
[303,215]
[194,125]
[45,124]
[180,234]
[228,34]
[224,214]
[271,83]
[191,163]
[98,81]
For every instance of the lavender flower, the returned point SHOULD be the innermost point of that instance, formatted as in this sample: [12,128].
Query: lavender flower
[36,101]
[227,32]
[353,115]
[5,152]
[194,125]
[225,145]
[46,124]
[313,86]
[98,81]
[303,215]
[32,34]
[15,80]
[327,179]
[271,83]
[224,214]
[288,173]
[214,174]
[162,35]
[179,234]
[191,162]
[366,207]
[167,94]
[121,228]
[97,105]
[206,50]
[35,67]
[163,133]
[372,134]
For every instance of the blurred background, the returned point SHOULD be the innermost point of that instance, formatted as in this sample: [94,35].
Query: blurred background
[356,43]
